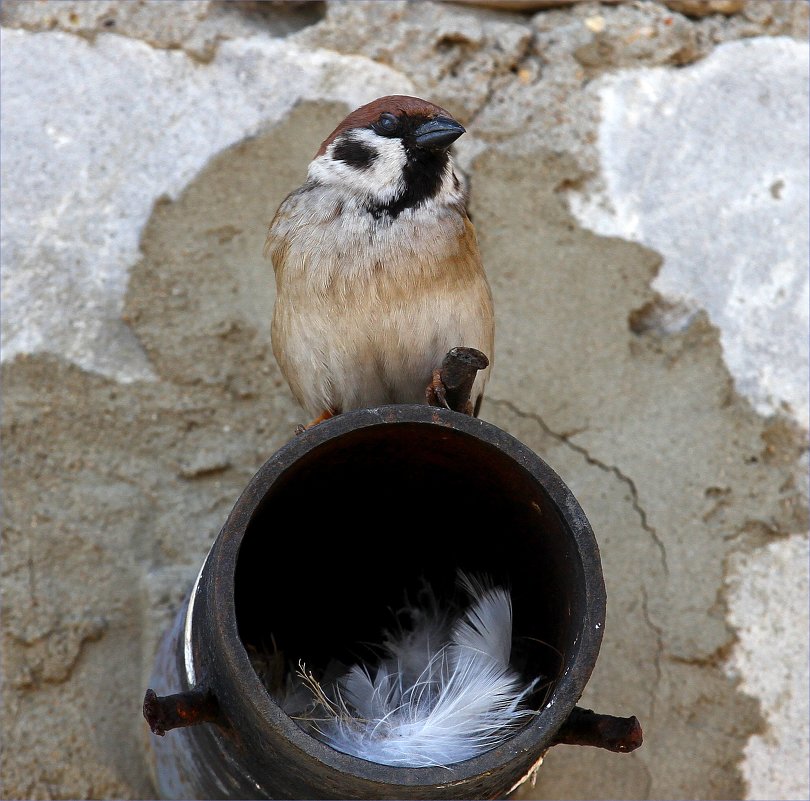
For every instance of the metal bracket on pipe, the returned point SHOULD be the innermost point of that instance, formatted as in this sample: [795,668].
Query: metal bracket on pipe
[586,727]
[166,712]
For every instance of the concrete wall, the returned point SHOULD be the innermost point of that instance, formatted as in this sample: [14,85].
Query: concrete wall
[638,176]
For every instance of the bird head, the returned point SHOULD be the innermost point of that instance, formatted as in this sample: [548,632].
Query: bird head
[391,154]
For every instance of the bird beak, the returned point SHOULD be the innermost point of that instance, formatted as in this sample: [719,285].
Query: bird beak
[438,133]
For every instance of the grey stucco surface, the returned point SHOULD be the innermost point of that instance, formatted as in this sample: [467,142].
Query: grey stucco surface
[140,170]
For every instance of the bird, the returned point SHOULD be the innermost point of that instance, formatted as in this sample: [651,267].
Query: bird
[377,267]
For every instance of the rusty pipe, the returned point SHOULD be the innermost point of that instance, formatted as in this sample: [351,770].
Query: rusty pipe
[432,491]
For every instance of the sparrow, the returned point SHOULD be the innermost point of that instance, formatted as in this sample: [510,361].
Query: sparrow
[377,268]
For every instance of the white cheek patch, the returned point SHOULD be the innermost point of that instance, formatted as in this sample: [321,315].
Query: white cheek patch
[381,181]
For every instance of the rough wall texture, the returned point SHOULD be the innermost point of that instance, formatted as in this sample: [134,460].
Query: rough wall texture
[146,146]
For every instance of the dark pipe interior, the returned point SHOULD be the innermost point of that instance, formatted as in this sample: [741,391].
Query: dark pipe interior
[355,524]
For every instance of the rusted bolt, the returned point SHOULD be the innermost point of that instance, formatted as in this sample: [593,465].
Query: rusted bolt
[453,381]
[167,712]
[586,727]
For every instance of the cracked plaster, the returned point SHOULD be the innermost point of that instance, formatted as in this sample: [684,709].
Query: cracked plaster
[125,485]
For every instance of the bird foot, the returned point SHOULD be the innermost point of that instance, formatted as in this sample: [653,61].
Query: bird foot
[300,429]
[436,392]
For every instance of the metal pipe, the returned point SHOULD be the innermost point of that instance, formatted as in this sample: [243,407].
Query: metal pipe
[327,536]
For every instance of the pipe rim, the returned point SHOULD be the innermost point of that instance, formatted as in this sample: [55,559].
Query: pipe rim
[528,743]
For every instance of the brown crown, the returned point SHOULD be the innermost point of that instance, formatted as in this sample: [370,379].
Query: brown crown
[393,104]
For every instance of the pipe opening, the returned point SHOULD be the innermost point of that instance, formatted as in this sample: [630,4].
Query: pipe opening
[352,528]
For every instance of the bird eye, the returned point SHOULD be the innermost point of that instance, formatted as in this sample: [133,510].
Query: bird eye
[388,122]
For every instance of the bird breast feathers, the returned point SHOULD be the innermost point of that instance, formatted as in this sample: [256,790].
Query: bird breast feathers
[320,246]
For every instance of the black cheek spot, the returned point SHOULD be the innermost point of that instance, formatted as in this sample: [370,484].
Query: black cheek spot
[355,154]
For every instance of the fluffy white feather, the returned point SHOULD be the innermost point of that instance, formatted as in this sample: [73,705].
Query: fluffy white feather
[442,692]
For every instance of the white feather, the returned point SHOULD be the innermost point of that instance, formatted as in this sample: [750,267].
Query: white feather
[411,649]
[442,693]
[487,625]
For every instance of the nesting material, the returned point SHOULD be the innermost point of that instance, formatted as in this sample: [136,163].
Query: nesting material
[441,691]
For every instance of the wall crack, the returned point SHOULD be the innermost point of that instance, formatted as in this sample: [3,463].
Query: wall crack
[564,438]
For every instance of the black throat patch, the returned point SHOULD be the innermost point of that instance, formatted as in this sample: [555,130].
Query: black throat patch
[422,176]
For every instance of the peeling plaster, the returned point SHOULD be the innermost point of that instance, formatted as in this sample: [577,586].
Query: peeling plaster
[709,166]
[82,199]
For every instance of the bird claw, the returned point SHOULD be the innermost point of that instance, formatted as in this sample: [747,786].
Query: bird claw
[436,392]
[325,415]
